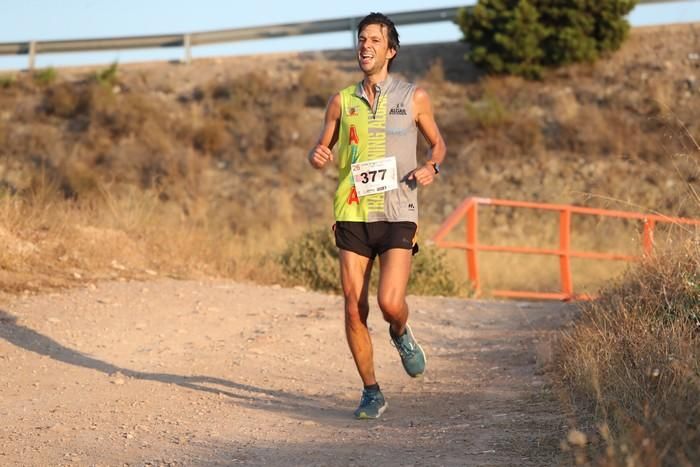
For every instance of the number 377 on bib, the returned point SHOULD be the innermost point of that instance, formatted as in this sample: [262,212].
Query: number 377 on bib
[375,176]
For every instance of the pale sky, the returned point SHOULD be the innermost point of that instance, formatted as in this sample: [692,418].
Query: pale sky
[74,19]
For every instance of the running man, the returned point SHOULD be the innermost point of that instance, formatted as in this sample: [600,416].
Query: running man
[375,123]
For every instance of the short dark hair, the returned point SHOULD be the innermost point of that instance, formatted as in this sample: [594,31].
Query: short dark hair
[392,33]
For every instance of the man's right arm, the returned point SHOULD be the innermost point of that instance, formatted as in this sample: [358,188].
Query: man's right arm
[321,154]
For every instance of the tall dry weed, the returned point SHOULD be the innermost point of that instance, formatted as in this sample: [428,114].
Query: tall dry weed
[631,362]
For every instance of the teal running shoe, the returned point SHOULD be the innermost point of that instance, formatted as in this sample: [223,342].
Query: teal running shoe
[412,355]
[372,404]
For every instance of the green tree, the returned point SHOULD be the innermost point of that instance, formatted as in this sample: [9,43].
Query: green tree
[522,37]
[611,27]
[505,36]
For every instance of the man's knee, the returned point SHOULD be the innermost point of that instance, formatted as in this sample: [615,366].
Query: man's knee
[356,311]
[392,305]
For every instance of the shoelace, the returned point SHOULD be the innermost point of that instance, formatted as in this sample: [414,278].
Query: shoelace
[368,398]
[406,349]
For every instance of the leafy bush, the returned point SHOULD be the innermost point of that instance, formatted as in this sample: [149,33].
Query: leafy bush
[521,37]
[430,274]
[108,76]
[313,260]
[7,81]
[505,36]
[46,76]
[489,112]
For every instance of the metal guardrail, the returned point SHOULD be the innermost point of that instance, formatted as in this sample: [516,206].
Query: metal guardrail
[188,40]
[468,212]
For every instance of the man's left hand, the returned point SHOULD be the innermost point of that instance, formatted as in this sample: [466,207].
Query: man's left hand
[423,175]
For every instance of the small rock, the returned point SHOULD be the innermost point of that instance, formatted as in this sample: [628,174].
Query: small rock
[77,275]
[150,272]
[300,288]
[53,320]
[117,378]
[577,438]
[116,265]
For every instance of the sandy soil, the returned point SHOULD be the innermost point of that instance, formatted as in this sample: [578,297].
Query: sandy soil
[222,373]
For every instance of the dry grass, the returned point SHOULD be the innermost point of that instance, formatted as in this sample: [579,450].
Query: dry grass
[53,242]
[629,366]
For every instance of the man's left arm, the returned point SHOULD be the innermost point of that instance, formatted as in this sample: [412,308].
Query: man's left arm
[425,120]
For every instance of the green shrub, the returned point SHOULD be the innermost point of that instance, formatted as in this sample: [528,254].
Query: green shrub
[108,76]
[7,81]
[312,260]
[505,36]
[46,76]
[489,112]
[522,37]
[430,274]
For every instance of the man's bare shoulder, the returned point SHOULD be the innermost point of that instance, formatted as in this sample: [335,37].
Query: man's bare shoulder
[333,106]
[334,99]
[420,95]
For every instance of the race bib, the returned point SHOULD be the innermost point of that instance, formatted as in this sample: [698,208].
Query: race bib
[376,176]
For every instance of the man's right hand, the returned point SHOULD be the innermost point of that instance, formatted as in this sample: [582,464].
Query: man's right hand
[320,156]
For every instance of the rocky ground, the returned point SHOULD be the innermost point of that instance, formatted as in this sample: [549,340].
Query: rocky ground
[222,373]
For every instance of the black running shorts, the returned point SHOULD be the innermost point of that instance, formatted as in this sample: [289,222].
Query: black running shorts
[370,239]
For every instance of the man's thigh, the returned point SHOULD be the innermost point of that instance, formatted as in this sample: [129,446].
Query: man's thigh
[355,272]
[394,271]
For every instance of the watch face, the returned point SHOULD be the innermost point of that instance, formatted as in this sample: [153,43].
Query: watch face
[436,167]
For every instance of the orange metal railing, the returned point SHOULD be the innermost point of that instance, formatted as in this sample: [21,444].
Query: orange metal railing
[469,212]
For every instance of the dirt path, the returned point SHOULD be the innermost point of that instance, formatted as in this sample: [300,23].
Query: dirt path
[220,373]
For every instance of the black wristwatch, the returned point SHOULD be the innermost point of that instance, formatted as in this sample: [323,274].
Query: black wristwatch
[436,167]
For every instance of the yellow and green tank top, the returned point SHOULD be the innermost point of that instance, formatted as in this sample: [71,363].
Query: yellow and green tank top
[368,132]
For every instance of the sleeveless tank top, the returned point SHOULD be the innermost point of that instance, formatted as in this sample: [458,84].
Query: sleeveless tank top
[369,133]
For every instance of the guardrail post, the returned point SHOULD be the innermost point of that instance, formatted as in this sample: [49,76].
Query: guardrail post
[32,55]
[472,228]
[567,286]
[352,33]
[648,236]
[187,42]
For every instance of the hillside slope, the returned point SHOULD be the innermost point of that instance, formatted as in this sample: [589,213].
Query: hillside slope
[220,145]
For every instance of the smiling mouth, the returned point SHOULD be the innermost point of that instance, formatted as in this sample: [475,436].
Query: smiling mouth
[366,58]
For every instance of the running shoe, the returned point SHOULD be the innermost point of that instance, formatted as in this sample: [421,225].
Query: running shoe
[412,355]
[372,404]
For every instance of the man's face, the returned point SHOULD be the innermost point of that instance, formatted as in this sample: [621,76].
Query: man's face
[373,52]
